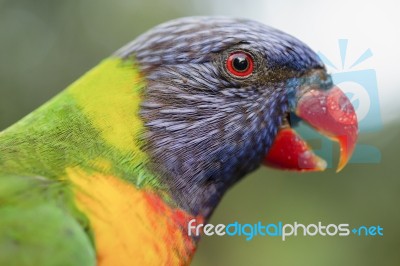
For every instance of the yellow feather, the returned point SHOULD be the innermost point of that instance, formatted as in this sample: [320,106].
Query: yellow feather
[131,226]
[110,96]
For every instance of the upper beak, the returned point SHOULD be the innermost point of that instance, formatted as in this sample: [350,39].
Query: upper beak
[331,113]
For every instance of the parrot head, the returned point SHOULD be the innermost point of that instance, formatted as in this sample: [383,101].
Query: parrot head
[221,98]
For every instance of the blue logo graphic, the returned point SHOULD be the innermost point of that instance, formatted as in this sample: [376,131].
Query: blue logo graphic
[361,87]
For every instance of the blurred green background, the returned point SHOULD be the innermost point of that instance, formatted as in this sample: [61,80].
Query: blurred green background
[45,45]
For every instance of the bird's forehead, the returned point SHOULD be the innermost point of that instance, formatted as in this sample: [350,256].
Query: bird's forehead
[198,36]
[196,39]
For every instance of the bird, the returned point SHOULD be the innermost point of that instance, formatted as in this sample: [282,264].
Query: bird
[110,170]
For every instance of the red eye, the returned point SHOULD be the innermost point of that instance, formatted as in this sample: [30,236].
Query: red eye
[240,64]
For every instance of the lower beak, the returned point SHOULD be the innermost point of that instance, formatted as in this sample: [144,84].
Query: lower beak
[331,113]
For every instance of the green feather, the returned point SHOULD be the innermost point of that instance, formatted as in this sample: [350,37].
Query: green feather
[38,215]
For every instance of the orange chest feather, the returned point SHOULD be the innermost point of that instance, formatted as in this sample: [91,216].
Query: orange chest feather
[131,226]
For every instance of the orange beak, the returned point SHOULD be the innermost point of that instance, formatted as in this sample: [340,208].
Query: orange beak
[331,113]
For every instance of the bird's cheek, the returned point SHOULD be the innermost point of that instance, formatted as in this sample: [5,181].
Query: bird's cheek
[331,113]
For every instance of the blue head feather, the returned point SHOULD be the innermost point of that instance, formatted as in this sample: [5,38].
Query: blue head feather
[205,128]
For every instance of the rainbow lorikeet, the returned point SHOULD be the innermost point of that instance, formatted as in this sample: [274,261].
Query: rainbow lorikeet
[111,170]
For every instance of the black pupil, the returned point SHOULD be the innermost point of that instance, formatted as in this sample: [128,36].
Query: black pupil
[240,63]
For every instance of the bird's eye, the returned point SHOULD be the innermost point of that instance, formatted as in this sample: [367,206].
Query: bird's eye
[240,64]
